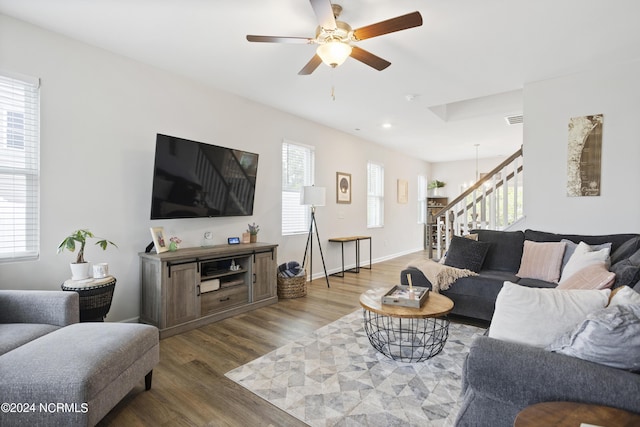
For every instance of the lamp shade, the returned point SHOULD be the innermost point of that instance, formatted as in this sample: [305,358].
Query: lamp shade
[312,195]
[334,52]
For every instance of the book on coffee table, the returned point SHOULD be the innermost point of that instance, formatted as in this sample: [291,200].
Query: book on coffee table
[401,295]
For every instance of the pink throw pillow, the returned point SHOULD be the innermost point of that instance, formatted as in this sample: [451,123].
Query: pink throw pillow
[541,260]
[595,276]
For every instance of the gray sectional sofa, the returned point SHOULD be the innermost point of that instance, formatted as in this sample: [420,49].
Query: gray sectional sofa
[500,378]
[55,371]
[475,296]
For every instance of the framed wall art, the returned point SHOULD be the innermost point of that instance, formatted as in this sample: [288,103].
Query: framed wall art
[584,162]
[403,191]
[343,187]
[159,239]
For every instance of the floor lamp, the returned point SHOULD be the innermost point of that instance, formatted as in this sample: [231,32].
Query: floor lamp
[313,196]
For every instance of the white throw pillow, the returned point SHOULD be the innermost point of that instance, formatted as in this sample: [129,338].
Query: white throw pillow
[539,316]
[625,295]
[583,257]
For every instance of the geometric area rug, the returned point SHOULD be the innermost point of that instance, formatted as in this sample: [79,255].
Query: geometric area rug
[334,377]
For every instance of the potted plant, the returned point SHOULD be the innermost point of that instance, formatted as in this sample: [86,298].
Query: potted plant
[434,185]
[253,232]
[80,268]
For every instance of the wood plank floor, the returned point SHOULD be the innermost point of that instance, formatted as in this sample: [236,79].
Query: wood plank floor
[189,387]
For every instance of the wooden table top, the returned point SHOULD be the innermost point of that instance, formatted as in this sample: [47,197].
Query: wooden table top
[572,414]
[348,239]
[436,305]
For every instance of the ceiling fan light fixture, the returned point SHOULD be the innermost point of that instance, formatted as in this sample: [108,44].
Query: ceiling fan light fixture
[334,52]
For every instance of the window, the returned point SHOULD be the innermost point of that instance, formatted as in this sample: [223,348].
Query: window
[422,199]
[375,195]
[19,168]
[297,171]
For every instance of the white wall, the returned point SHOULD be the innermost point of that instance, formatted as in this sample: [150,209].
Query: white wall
[457,174]
[100,113]
[548,106]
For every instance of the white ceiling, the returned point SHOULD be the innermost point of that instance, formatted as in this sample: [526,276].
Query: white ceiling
[464,68]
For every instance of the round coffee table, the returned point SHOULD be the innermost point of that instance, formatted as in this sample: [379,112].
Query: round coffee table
[403,333]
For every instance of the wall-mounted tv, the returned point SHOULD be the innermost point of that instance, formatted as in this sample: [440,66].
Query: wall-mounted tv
[192,180]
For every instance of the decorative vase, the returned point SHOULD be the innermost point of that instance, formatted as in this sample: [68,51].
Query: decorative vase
[173,246]
[253,238]
[80,271]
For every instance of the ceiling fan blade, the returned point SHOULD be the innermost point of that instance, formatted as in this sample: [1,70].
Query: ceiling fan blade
[392,25]
[311,66]
[369,58]
[324,13]
[279,39]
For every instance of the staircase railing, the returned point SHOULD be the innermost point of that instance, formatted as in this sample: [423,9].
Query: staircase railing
[494,202]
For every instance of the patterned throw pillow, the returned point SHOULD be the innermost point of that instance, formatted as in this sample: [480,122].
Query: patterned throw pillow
[595,276]
[466,253]
[541,260]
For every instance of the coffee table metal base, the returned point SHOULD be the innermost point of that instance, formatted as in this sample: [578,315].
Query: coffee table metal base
[406,339]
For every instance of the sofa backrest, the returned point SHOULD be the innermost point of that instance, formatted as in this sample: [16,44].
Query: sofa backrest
[615,239]
[505,251]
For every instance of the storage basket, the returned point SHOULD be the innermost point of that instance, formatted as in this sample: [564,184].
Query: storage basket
[292,287]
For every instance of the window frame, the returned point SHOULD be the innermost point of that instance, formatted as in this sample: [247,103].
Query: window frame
[375,195]
[19,168]
[295,218]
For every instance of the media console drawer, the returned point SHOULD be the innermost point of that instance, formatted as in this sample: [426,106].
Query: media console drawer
[224,298]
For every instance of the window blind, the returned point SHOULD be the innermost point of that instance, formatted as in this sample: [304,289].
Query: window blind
[375,195]
[297,171]
[19,168]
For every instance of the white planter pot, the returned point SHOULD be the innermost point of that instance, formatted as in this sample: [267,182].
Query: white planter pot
[80,271]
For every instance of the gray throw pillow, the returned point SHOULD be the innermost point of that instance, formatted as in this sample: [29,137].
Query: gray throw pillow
[466,253]
[610,336]
[625,250]
[627,271]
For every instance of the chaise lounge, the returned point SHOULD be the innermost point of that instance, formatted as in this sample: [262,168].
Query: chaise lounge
[55,371]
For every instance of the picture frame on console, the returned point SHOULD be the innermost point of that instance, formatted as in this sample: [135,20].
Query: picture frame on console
[343,187]
[159,239]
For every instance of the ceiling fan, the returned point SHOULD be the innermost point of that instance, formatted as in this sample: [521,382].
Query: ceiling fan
[334,38]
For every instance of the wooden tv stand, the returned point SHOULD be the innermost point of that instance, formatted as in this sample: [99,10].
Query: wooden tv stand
[192,287]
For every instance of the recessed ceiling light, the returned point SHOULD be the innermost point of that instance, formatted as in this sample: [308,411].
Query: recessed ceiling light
[386,125]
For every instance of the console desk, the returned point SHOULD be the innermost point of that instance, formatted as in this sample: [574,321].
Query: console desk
[357,240]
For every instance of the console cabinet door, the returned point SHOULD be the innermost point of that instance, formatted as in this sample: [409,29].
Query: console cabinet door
[264,275]
[182,303]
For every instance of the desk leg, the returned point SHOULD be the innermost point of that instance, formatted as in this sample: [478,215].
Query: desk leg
[358,256]
[342,251]
[370,253]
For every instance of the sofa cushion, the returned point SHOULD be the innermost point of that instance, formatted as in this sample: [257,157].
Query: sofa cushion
[594,276]
[505,251]
[616,240]
[627,271]
[538,317]
[535,283]
[571,248]
[583,257]
[541,260]
[14,335]
[466,253]
[482,287]
[610,336]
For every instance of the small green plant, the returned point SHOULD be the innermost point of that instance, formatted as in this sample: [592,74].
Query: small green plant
[253,228]
[435,184]
[80,237]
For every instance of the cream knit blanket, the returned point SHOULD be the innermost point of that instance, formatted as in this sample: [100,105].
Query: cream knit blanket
[441,276]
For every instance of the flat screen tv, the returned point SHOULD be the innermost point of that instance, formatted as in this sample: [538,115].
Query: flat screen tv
[192,180]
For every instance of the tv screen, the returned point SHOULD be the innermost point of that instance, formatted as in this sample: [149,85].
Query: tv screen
[192,179]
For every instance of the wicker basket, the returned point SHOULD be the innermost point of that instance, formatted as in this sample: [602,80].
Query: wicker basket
[292,287]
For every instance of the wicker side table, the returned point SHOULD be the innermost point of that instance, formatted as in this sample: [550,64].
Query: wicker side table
[95,296]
